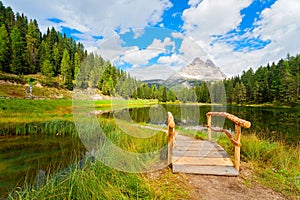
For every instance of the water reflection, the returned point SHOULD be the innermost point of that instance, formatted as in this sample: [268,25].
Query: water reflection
[23,157]
[271,123]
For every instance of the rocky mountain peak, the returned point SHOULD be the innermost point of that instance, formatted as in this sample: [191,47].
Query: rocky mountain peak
[198,70]
[210,63]
[197,61]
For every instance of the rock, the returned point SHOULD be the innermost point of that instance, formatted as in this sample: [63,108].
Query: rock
[40,179]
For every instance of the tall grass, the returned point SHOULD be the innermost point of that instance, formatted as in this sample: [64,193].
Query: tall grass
[97,181]
[54,127]
[275,163]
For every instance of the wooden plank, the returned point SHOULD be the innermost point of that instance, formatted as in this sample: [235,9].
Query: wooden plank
[182,137]
[211,154]
[206,170]
[201,157]
[202,161]
[197,147]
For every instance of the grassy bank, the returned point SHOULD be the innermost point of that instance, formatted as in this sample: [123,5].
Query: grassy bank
[275,164]
[27,116]
[94,180]
[97,181]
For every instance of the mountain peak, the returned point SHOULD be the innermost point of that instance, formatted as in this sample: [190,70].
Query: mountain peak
[210,63]
[197,61]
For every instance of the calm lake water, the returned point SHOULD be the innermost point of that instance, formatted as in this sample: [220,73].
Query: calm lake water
[22,157]
[272,123]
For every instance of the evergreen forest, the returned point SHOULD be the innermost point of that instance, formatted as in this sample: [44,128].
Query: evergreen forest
[24,49]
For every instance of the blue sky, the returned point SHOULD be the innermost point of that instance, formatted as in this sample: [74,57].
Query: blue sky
[159,34]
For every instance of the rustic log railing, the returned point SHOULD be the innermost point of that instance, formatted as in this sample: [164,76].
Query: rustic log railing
[238,124]
[171,134]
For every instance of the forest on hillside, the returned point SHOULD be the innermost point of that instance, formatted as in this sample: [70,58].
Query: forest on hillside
[275,83]
[25,50]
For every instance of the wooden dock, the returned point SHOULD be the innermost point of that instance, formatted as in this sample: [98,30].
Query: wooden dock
[188,155]
[201,157]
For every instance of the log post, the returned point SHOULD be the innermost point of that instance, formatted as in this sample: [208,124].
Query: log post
[171,133]
[208,128]
[237,149]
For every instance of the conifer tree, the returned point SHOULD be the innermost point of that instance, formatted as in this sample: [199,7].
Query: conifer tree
[32,40]
[4,49]
[66,70]
[16,64]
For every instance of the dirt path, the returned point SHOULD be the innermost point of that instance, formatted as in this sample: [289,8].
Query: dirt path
[221,187]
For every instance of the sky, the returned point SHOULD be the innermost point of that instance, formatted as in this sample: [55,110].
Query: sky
[159,37]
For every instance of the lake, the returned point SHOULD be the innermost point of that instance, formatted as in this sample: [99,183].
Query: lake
[267,122]
[22,157]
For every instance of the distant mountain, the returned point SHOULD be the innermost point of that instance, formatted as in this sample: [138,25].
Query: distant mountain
[157,82]
[196,71]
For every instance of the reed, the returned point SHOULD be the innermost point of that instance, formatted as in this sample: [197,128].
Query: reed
[97,181]
[276,164]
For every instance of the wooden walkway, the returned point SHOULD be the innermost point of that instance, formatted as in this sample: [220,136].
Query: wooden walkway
[187,155]
[201,157]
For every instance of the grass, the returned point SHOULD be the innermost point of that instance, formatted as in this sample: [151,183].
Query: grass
[97,181]
[26,116]
[275,164]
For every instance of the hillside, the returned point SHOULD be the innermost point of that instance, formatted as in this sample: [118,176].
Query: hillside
[13,86]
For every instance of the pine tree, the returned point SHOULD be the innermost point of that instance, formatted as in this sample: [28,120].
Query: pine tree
[204,93]
[9,18]
[47,70]
[16,65]
[76,65]
[229,91]
[154,92]
[56,58]
[198,92]
[240,93]
[66,70]
[4,49]
[163,94]
[32,40]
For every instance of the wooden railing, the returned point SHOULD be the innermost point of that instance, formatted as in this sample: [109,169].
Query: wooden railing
[171,134]
[238,124]
[236,141]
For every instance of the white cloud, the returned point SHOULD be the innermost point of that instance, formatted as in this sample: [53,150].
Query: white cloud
[280,24]
[158,44]
[94,17]
[173,59]
[213,17]
[191,49]
[194,2]
[138,57]
[177,35]
[152,72]
[111,49]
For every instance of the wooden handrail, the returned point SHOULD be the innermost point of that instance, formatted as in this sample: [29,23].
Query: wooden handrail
[171,133]
[233,141]
[235,119]
[238,124]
